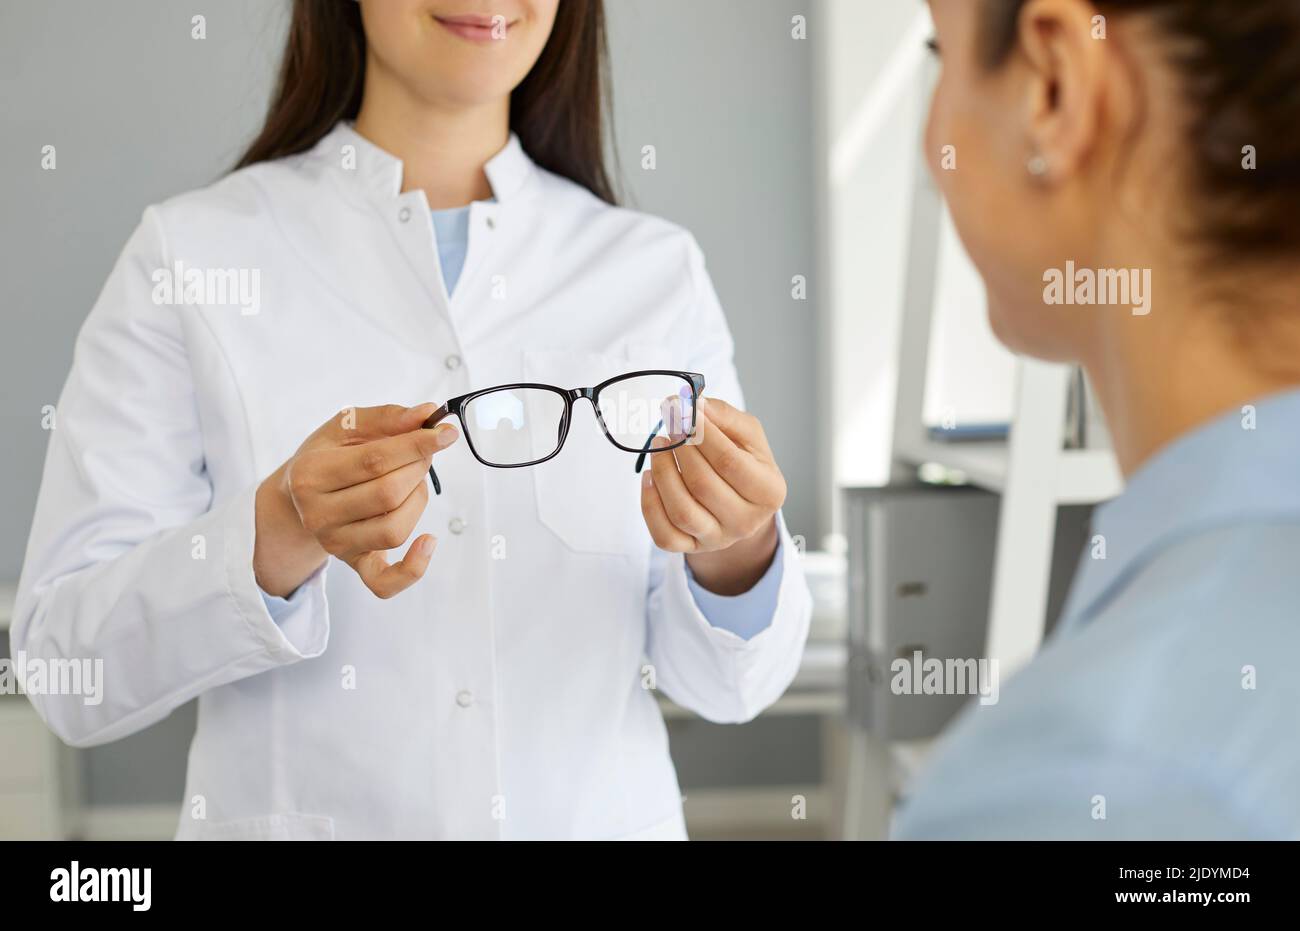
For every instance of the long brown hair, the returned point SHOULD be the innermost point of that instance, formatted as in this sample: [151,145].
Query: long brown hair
[558,110]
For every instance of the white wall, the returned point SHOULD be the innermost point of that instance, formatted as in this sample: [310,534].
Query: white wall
[874,100]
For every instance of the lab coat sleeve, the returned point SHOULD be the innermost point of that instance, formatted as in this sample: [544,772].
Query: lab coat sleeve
[748,613]
[721,676]
[131,563]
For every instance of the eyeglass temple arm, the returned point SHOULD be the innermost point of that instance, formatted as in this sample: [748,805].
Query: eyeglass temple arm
[438,416]
[645,451]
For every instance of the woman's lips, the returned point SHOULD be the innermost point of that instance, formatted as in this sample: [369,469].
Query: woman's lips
[473,27]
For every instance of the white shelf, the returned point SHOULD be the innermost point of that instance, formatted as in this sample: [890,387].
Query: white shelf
[1084,476]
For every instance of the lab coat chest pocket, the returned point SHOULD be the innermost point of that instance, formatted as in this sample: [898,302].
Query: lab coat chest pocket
[590,494]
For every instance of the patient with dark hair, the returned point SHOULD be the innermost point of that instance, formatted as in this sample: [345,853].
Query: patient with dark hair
[1150,143]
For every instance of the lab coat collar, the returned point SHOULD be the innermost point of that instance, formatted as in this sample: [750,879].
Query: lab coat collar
[508,172]
[1240,468]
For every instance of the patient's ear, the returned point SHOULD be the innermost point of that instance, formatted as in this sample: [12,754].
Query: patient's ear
[1063,50]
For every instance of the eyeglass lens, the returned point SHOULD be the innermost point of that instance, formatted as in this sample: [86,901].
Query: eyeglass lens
[637,408]
[514,426]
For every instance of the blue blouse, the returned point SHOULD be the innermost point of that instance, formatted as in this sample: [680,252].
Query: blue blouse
[451,231]
[1167,702]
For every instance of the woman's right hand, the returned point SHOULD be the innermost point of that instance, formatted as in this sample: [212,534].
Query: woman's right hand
[355,488]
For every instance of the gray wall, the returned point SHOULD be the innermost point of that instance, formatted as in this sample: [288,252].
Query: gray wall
[138,110]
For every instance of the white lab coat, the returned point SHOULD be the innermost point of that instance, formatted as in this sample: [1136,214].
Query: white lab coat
[502,696]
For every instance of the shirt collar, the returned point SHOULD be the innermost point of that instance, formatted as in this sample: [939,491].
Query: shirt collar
[1242,467]
[507,172]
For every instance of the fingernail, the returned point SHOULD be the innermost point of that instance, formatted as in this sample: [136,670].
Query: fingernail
[647,479]
[444,436]
[426,546]
[702,402]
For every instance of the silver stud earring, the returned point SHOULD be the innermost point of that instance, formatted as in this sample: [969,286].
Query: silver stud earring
[1037,165]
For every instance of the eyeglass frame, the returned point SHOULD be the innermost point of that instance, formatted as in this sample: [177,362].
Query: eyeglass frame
[455,406]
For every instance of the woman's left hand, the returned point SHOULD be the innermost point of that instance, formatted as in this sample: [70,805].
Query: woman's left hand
[715,499]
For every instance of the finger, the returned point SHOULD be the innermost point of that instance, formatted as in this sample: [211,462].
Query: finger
[737,515]
[666,536]
[755,480]
[687,514]
[385,580]
[435,417]
[385,532]
[742,428]
[359,424]
[359,502]
[674,418]
[345,466]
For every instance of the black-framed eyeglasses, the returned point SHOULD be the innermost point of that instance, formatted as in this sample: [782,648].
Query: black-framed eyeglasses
[524,424]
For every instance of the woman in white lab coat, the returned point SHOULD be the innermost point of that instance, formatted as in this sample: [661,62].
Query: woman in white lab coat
[235,453]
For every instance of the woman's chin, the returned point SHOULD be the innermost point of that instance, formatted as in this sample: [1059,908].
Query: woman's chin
[1025,335]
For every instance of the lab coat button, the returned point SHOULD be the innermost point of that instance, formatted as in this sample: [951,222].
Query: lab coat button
[453,362]
[464,698]
[456,525]
[404,214]
[491,223]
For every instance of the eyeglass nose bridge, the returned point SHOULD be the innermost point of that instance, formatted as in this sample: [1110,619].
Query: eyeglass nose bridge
[576,394]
